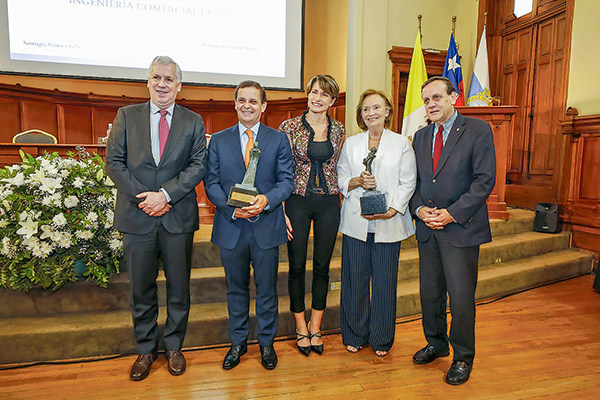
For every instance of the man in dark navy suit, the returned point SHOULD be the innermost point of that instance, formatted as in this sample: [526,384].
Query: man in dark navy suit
[456,172]
[254,233]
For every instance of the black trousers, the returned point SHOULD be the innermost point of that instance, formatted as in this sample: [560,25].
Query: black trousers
[369,287]
[324,213]
[142,252]
[445,268]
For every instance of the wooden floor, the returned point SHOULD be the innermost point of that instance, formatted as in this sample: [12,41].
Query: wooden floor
[543,343]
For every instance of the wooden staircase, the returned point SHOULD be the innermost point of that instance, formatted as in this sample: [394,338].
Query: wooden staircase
[83,320]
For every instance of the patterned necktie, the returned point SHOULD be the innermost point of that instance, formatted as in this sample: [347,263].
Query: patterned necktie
[438,146]
[163,130]
[249,146]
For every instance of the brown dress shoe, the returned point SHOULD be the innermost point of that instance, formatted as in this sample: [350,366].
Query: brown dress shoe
[176,364]
[141,366]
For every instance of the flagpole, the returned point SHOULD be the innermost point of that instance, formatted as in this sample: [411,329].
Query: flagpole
[453,22]
[420,34]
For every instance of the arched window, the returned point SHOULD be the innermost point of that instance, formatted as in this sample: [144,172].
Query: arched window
[523,7]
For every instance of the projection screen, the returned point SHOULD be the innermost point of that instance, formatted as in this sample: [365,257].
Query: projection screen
[216,42]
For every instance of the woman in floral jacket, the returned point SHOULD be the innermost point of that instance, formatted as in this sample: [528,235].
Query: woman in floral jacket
[316,141]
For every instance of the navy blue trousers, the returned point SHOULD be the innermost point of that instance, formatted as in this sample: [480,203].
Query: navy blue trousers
[237,270]
[369,316]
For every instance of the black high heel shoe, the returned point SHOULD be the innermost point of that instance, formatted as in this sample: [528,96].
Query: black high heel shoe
[317,348]
[303,349]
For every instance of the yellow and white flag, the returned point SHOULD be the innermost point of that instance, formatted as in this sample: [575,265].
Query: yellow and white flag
[415,116]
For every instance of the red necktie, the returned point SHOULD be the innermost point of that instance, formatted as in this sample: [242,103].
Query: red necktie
[438,146]
[163,131]
[249,146]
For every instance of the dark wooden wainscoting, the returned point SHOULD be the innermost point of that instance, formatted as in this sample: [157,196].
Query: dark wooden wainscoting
[82,118]
[581,179]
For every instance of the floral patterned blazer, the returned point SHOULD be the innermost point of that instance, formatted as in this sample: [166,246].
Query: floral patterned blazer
[300,132]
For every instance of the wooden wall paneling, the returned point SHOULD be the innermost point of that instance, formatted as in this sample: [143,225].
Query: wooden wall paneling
[540,136]
[39,115]
[529,68]
[500,119]
[586,238]
[547,103]
[589,186]
[581,207]
[401,58]
[100,118]
[339,112]
[515,91]
[544,6]
[76,124]
[222,120]
[81,119]
[9,152]
[206,210]
[275,118]
[10,115]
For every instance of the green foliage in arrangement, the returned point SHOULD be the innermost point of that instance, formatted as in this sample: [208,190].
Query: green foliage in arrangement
[55,211]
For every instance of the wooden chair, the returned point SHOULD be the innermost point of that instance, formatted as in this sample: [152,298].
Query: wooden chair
[34,136]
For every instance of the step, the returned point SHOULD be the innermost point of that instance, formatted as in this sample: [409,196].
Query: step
[208,285]
[74,335]
[206,254]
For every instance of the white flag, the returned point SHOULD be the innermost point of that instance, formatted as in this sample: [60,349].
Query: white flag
[479,92]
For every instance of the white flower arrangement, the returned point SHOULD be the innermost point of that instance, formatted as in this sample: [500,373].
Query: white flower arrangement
[54,212]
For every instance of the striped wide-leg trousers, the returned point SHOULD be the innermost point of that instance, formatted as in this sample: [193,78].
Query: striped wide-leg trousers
[368,298]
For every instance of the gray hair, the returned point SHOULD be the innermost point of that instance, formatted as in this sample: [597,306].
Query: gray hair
[166,60]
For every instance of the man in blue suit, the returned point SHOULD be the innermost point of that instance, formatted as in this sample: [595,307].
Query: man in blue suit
[456,172]
[254,233]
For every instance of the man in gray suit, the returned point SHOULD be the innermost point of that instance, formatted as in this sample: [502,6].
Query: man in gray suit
[156,157]
[456,172]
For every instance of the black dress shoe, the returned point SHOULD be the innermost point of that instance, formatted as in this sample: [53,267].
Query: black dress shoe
[458,373]
[176,362]
[141,366]
[428,354]
[232,358]
[269,357]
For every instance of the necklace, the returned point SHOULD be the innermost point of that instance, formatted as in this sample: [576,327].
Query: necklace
[375,140]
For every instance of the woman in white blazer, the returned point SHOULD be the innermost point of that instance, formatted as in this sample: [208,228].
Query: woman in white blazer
[371,244]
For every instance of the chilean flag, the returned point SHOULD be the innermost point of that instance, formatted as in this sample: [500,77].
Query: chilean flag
[453,71]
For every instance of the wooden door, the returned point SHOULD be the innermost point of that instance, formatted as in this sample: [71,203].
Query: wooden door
[530,74]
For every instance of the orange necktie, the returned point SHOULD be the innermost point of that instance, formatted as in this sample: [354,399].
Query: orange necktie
[249,146]
[438,146]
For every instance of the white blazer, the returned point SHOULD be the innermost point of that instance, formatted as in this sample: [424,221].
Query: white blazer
[395,171]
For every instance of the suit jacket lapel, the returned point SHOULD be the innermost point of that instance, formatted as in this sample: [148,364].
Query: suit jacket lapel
[144,128]
[263,137]
[236,148]
[455,133]
[175,132]
[426,149]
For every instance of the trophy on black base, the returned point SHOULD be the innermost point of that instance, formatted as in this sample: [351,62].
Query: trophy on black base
[372,201]
[241,194]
